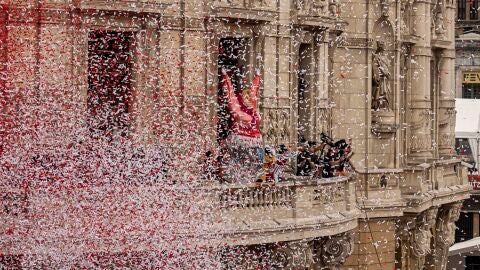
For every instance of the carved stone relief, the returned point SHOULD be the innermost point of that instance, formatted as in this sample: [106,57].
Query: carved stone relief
[284,126]
[334,8]
[405,9]
[422,237]
[437,19]
[385,7]
[293,255]
[444,235]
[381,78]
[269,125]
[332,252]
[318,7]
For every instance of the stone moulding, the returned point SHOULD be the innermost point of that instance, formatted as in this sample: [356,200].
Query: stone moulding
[357,43]
[383,122]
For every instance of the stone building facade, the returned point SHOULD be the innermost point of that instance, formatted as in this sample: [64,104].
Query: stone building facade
[379,72]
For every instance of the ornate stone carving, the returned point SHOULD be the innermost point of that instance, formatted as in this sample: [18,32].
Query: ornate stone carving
[269,126]
[420,142]
[284,126]
[332,252]
[357,43]
[334,8]
[385,7]
[311,7]
[405,8]
[445,234]
[381,79]
[446,140]
[437,19]
[422,119]
[292,255]
[422,237]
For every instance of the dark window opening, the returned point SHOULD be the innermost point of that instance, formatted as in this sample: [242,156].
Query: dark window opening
[463,147]
[464,227]
[233,57]
[473,9]
[109,81]
[304,98]
[461,9]
[471,90]
[472,263]
[305,83]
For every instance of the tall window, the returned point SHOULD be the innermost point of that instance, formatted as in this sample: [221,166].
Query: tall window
[461,9]
[233,57]
[109,81]
[305,90]
[473,9]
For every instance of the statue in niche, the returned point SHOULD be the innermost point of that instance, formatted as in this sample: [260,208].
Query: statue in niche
[404,10]
[381,78]
[439,24]
[385,6]
[311,7]
[334,8]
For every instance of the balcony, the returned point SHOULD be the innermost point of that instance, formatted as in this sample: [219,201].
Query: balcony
[299,208]
[434,183]
[86,219]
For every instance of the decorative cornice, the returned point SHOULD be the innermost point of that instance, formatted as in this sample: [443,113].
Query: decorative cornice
[357,43]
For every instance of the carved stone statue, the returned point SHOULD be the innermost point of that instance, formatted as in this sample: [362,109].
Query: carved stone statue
[422,237]
[381,78]
[385,6]
[334,8]
[405,8]
[439,24]
[311,7]
[445,233]
[292,255]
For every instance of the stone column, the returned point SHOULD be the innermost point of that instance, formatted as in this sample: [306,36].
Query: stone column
[446,111]
[321,83]
[420,145]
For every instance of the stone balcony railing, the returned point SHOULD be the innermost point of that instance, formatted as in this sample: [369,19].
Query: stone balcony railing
[117,217]
[433,183]
[287,211]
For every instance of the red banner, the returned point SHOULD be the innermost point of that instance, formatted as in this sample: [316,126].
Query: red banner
[474,181]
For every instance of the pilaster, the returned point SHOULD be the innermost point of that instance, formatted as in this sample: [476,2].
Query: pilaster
[420,124]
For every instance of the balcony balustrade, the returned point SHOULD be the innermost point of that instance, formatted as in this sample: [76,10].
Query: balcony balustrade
[436,182]
[295,209]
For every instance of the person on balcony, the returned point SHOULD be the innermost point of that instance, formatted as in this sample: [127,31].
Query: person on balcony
[244,143]
[337,159]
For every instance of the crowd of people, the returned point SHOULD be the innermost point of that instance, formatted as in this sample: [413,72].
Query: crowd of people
[323,159]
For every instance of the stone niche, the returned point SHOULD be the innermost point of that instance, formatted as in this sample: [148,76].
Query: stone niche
[383,116]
